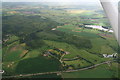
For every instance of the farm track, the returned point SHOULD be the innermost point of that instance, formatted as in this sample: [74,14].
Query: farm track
[44,73]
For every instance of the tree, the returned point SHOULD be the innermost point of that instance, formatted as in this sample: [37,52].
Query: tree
[33,44]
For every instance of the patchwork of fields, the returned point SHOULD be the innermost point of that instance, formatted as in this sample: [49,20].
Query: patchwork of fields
[53,39]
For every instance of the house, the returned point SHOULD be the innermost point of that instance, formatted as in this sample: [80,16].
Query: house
[114,55]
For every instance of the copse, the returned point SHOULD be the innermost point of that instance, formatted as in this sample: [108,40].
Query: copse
[34,44]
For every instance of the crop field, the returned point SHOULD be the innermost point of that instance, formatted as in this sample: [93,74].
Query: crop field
[77,11]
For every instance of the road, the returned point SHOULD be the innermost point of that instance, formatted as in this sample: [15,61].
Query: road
[35,74]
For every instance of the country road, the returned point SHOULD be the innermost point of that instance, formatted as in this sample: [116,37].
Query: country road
[35,74]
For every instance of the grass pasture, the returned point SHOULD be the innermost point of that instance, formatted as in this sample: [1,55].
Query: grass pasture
[98,72]
[101,46]
[75,30]
[77,63]
[13,52]
[75,51]
[12,39]
[39,64]
[13,56]
[108,45]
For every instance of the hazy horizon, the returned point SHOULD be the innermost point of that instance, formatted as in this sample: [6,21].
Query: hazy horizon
[60,2]
[57,0]
[63,2]
[49,1]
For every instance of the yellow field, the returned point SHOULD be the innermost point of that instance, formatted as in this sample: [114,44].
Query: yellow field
[77,11]
[12,12]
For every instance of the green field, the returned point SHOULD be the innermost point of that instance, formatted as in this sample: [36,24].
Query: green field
[44,38]
[99,45]
[40,64]
[77,63]
[75,52]
[99,72]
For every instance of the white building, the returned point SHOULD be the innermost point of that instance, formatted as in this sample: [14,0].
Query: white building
[110,56]
[2,71]
[98,27]
[111,31]
[94,26]
[54,29]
